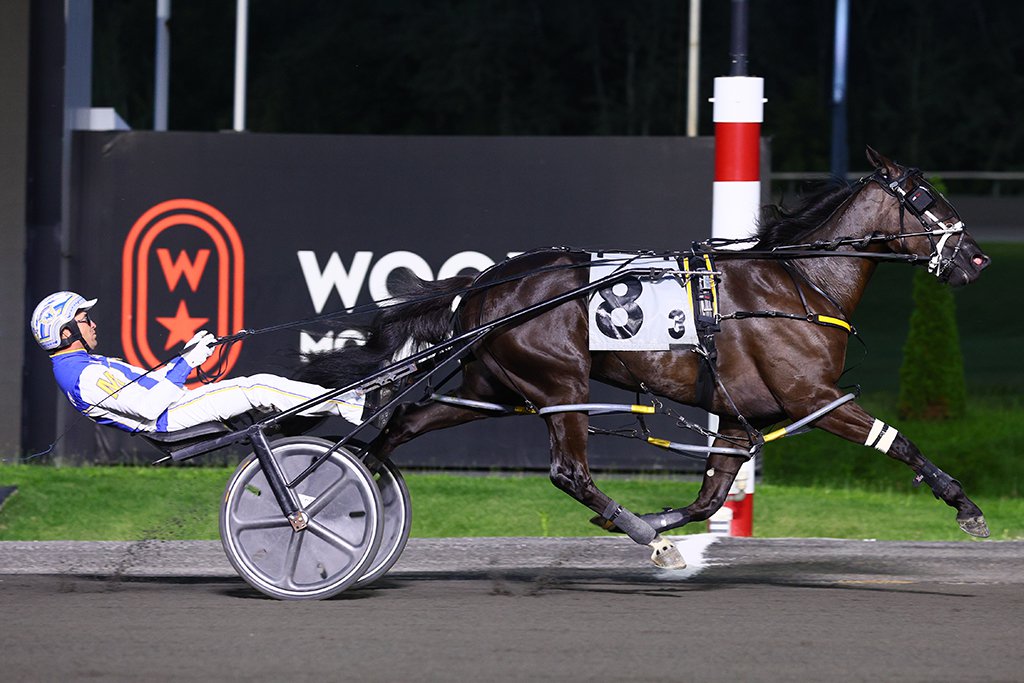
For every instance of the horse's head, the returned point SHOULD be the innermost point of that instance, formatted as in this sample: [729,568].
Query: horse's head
[953,255]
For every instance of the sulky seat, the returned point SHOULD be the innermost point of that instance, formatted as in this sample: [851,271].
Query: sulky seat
[190,434]
[170,443]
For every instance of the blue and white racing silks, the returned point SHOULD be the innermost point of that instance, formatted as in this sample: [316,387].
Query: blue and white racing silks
[112,392]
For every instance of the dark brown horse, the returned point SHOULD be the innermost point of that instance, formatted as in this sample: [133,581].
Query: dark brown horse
[770,368]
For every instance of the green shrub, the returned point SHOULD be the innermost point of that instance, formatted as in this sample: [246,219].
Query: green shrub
[932,383]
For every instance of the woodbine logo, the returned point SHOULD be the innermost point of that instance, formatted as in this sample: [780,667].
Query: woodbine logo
[183,270]
[364,272]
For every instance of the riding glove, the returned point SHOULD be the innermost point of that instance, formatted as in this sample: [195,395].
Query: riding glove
[199,348]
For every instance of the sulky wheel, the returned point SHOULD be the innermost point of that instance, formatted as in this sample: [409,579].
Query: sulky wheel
[397,520]
[341,540]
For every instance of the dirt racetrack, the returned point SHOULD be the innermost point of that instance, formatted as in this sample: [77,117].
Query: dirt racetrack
[526,609]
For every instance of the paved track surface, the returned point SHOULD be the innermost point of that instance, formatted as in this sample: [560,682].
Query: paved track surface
[525,609]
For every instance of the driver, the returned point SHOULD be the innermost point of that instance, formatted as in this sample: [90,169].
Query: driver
[112,392]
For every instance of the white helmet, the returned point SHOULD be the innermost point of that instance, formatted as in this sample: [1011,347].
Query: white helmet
[53,314]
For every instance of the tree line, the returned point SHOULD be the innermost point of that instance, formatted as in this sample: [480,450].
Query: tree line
[936,84]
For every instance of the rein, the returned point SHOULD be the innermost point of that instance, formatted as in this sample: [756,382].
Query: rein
[918,201]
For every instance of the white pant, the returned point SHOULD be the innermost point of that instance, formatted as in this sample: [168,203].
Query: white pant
[264,392]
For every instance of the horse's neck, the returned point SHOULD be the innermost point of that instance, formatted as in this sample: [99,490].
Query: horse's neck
[843,277]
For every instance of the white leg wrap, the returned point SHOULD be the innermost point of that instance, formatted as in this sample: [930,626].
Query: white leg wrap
[881,436]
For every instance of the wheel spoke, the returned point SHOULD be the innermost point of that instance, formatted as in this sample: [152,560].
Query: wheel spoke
[291,560]
[269,522]
[331,538]
[328,495]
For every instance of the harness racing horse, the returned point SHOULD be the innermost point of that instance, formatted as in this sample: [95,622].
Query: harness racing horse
[812,264]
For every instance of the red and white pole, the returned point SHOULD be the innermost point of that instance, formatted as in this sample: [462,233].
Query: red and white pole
[738,114]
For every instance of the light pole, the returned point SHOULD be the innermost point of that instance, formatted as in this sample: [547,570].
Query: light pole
[241,61]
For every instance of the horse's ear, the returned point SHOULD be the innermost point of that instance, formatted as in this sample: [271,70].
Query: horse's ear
[881,162]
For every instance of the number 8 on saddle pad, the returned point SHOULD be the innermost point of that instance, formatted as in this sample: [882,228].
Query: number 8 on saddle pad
[650,308]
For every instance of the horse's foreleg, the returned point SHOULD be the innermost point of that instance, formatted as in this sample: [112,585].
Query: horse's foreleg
[570,473]
[854,424]
[943,486]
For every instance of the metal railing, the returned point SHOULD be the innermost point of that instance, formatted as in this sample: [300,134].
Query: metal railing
[985,183]
[948,175]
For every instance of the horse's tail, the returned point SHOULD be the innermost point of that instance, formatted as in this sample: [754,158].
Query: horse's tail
[421,316]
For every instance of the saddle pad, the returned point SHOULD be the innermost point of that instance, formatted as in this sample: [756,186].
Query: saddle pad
[650,309]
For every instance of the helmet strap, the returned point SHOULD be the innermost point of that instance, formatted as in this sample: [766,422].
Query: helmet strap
[76,335]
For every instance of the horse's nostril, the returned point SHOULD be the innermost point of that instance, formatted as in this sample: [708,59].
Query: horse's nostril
[981,260]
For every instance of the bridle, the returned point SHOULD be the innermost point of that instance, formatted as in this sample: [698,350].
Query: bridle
[918,201]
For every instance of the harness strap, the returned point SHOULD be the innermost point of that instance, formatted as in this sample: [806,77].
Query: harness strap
[788,267]
[830,321]
[794,273]
[816,318]
[936,263]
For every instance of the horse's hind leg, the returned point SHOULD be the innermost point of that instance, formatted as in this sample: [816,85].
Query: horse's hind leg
[561,384]
[570,473]
[413,419]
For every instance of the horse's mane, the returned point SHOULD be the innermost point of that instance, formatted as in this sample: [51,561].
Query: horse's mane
[778,226]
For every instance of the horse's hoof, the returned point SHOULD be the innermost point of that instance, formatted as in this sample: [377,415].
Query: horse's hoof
[666,555]
[606,524]
[975,526]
